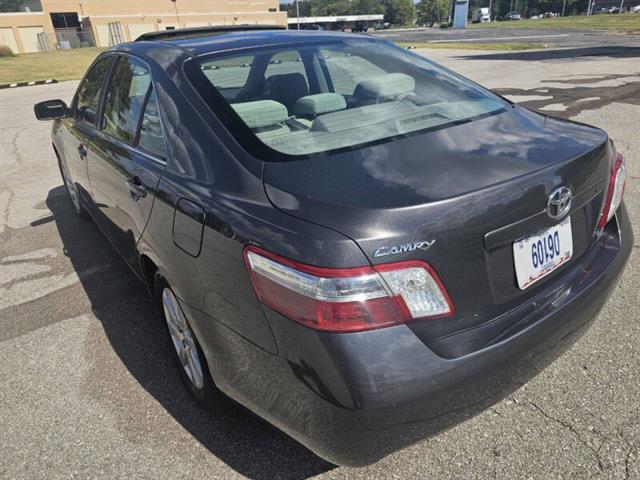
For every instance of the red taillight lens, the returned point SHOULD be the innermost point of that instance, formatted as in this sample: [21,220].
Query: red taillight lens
[347,300]
[615,191]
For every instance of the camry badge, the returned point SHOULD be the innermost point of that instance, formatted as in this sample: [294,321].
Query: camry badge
[423,245]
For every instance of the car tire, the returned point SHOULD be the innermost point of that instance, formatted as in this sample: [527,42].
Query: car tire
[187,353]
[72,190]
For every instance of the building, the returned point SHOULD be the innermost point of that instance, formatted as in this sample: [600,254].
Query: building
[344,22]
[63,24]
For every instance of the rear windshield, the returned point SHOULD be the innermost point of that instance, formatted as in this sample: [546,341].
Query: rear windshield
[306,99]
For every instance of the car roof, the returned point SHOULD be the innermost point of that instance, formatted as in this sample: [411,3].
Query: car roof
[202,44]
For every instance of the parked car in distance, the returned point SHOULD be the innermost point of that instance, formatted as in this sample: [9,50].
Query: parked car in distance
[360,27]
[635,9]
[480,15]
[356,244]
[607,10]
[382,26]
[316,27]
[513,16]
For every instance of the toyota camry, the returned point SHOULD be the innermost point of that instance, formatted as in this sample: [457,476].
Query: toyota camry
[359,245]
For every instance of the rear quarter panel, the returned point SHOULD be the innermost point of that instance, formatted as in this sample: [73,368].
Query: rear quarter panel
[204,168]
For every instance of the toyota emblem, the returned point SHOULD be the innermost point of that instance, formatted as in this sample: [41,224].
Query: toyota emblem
[559,202]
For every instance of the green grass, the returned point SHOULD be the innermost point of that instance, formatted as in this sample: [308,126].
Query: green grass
[61,65]
[625,22]
[476,46]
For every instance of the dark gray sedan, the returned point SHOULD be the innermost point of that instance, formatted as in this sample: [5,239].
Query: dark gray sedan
[355,243]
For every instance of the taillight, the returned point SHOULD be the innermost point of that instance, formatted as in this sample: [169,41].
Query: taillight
[350,299]
[615,191]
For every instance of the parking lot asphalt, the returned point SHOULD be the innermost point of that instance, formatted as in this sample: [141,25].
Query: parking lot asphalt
[88,389]
[552,37]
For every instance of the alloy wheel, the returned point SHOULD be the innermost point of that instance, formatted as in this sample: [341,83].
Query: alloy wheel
[183,338]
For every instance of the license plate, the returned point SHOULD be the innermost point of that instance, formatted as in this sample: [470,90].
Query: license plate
[539,255]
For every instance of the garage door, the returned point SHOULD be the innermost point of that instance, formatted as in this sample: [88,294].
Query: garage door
[9,39]
[29,36]
[137,29]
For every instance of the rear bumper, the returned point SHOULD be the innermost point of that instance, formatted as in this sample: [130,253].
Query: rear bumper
[354,398]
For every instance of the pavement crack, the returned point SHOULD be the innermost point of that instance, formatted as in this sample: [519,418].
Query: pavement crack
[630,449]
[14,147]
[569,427]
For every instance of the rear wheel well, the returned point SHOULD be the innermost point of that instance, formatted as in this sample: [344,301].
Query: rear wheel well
[149,269]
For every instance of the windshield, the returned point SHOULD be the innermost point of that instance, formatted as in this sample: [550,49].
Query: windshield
[306,99]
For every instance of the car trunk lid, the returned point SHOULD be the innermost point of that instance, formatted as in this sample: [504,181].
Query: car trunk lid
[456,198]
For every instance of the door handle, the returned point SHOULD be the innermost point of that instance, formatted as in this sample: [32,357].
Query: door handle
[136,186]
[82,150]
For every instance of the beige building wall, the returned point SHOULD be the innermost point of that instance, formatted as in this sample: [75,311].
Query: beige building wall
[101,35]
[136,17]
[29,37]
[137,29]
[155,7]
[8,38]
[21,21]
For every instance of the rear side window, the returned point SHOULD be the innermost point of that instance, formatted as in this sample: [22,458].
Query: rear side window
[229,73]
[151,138]
[88,95]
[125,99]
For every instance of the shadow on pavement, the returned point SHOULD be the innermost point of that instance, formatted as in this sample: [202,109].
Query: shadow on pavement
[131,322]
[561,54]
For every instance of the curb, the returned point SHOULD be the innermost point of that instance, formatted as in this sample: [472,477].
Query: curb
[27,84]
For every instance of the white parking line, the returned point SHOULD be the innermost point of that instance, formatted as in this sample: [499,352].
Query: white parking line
[489,39]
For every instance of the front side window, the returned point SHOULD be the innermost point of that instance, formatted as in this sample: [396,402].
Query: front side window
[125,99]
[88,96]
[340,94]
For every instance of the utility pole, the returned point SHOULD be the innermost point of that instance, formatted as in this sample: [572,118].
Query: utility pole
[298,13]
[490,12]
[564,3]
[175,7]
[621,6]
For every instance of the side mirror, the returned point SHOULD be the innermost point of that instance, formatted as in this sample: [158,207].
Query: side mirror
[51,110]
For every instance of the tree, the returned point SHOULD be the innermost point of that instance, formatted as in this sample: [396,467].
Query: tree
[330,8]
[400,12]
[367,7]
[10,5]
[432,11]
[290,8]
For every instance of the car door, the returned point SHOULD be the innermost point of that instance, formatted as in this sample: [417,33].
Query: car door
[127,155]
[79,128]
